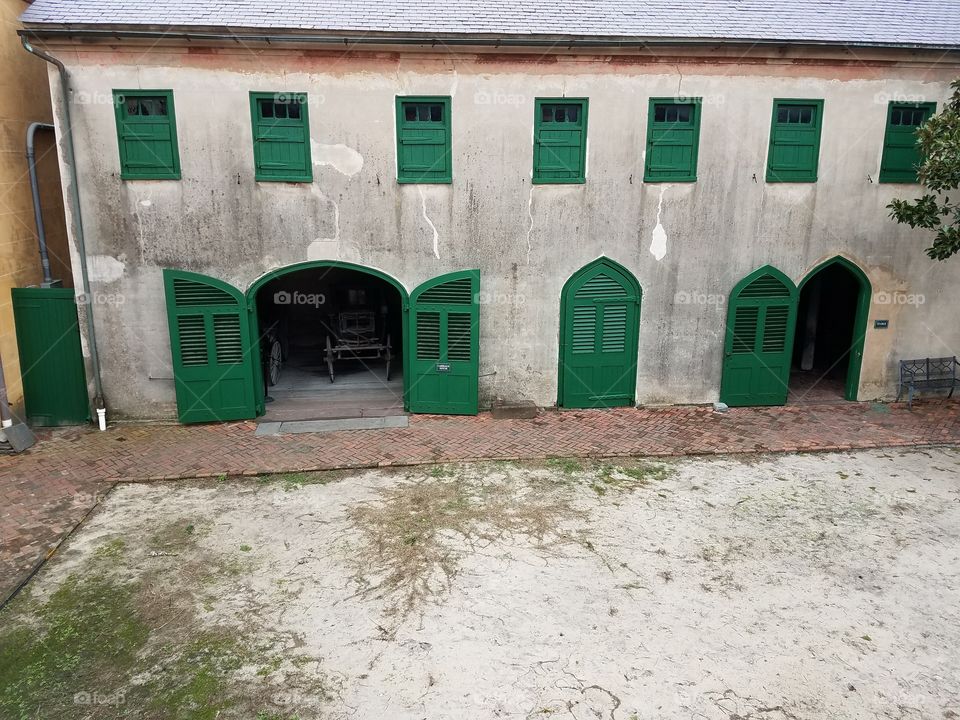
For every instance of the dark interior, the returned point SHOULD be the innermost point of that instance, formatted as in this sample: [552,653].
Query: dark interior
[301,310]
[826,316]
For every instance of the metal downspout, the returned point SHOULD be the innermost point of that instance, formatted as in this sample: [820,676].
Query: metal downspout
[35,191]
[78,224]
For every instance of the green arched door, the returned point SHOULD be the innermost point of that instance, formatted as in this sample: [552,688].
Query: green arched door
[599,328]
[211,348]
[444,356]
[761,316]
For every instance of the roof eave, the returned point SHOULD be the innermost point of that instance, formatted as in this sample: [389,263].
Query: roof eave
[42,31]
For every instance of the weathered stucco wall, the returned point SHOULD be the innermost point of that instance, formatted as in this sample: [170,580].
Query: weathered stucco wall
[526,240]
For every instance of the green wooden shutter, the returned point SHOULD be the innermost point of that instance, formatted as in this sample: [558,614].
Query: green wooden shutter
[599,321]
[901,152]
[761,318]
[210,344]
[424,140]
[444,353]
[673,138]
[794,152]
[147,134]
[51,360]
[281,137]
[560,140]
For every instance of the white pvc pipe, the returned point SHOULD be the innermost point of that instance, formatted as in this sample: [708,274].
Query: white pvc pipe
[102,418]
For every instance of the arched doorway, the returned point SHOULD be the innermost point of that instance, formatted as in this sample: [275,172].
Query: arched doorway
[831,324]
[599,328]
[224,344]
[329,339]
[761,314]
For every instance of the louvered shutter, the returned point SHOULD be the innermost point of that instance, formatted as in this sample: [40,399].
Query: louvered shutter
[444,359]
[761,319]
[211,349]
[599,331]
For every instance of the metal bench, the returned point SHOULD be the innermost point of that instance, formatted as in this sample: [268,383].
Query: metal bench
[928,374]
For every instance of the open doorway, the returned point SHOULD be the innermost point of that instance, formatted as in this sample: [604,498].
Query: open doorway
[828,345]
[331,344]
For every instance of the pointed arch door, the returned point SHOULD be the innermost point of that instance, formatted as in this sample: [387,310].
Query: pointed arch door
[211,348]
[758,344]
[599,329]
[444,358]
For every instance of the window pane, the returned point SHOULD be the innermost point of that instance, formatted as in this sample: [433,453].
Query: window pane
[546,113]
[436,113]
[132,106]
[659,113]
[572,111]
[266,109]
[280,110]
[409,112]
[294,110]
[683,113]
[781,114]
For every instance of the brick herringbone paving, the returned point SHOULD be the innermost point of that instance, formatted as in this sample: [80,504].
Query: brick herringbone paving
[48,490]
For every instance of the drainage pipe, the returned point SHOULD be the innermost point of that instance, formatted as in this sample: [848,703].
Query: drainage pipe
[35,190]
[67,134]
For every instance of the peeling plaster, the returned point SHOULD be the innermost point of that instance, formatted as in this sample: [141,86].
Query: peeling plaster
[105,268]
[530,229]
[327,248]
[436,235]
[343,159]
[658,248]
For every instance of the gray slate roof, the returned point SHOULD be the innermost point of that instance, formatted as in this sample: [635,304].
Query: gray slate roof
[933,23]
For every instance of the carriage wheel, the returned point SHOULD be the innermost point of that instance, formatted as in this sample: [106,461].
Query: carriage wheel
[330,358]
[276,362]
[388,358]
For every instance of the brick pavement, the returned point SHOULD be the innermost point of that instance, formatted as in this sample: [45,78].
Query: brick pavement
[48,490]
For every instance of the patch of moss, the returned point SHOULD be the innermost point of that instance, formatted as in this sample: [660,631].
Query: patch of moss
[83,640]
[197,684]
[112,549]
[567,466]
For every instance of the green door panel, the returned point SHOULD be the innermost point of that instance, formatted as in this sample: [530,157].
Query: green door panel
[599,328]
[51,361]
[758,345]
[444,349]
[211,348]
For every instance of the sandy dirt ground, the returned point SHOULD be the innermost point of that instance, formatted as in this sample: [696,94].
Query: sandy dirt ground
[796,586]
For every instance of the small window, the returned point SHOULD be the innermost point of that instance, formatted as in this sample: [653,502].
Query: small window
[673,138]
[794,152]
[281,137]
[423,140]
[901,154]
[147,135]
[560,140]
